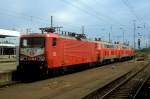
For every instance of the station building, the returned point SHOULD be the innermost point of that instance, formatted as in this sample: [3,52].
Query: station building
[9,42]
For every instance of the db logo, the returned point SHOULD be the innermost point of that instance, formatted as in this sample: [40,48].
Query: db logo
[32,53]
[54,53]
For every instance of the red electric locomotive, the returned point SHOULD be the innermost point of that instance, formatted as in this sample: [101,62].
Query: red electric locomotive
[47,52]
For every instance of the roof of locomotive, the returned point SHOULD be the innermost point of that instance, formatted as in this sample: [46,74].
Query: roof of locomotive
[41,35]
[56,35]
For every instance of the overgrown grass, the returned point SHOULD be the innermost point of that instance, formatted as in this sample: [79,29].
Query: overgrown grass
[144,51]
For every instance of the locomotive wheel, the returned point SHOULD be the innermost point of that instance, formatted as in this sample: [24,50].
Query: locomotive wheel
[44,73]
[63,70]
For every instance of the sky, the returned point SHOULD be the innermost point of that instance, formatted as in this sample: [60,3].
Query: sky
[99,17]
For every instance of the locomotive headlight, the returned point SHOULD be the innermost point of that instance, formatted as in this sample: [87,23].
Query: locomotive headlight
[22,58]
[41,58]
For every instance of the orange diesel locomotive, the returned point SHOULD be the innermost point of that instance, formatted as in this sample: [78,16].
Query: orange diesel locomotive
[48,52]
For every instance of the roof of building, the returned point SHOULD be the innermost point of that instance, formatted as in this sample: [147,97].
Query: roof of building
[7,45]
[9,33]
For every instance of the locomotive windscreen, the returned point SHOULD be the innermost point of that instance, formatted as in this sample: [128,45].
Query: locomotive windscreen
[32,42]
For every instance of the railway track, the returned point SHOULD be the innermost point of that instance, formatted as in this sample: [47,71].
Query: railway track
[125,87]
[144,92]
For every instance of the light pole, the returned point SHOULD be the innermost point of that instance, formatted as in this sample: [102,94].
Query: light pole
[134,30]
[139,40]
[110,33]
[51,21]
[149,40]
[122,34]
[82,29]
[103,32]
[139,37]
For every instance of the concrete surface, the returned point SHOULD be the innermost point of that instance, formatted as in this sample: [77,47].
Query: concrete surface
[72,86]
[8,66]
[6,70]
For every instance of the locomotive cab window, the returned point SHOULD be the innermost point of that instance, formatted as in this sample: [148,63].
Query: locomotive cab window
[54,42]
[32,42]
[24,43]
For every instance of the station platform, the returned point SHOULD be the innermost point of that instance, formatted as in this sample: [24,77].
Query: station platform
[6,70]
[7,58]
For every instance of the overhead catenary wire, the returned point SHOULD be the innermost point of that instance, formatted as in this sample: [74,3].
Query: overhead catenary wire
[29,18]
[132,11]
[98,13]
[42,20]
[137,17]
[87,9]
[88,12]
[22,16]
[26,19]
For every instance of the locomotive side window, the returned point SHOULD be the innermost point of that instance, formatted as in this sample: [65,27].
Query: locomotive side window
[24,43]
[54,42]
